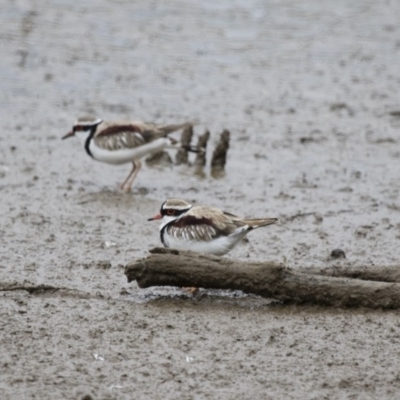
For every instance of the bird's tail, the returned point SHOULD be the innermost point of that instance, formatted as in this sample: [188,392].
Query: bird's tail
[259,222]
[167,129]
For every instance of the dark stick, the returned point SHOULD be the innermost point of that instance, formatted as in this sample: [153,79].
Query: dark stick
[218,160]
[47,290]
[186,139]
[166,267]
[200,160]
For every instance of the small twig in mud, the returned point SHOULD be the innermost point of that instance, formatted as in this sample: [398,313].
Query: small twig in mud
[202,145]
[218,160]
[186,140]
[46,289]
[299,215]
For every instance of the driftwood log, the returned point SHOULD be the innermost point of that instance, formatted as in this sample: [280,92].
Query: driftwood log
[348,270]
[167,267]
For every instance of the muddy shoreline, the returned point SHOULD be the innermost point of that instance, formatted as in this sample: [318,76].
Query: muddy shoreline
[308,93]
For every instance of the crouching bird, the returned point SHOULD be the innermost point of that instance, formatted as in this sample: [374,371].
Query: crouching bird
[203,229]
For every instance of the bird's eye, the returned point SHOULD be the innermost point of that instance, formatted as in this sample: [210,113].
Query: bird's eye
[170,212]
[78,128]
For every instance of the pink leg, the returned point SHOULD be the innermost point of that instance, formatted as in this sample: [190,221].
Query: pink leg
[132,176]
[129,175]
[190,290]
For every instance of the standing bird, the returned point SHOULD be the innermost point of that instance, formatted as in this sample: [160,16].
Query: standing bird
[121,142]
[203,229]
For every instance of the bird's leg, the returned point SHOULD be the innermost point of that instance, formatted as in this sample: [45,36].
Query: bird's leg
[129,175]
[190,290]
[128,184]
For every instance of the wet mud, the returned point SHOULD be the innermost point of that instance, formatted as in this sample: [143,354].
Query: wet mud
[309,94]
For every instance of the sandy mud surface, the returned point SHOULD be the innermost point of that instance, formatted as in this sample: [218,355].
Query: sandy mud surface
[310,94]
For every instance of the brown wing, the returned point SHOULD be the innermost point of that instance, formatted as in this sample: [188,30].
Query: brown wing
[192,228]
[225,222]
[131,134]
[205,224]
[231,222]
[125,136]
[165,129]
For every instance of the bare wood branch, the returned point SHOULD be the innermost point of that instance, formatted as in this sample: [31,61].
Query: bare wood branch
[218,160]
[166,267]
[186,139]
[200,160]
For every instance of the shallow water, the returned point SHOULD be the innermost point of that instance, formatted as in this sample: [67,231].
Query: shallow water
[309,94]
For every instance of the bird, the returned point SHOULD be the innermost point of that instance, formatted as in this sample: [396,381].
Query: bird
[203,229]
[121,142]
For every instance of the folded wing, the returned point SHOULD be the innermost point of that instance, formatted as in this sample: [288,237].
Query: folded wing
[131,135]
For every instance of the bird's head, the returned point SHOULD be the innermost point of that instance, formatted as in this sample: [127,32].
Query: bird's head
[171,209]
[83,127]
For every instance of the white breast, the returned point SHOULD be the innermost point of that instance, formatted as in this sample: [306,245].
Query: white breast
[219,246]
[123,156]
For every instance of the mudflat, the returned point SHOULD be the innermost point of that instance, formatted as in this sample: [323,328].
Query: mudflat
[309,93]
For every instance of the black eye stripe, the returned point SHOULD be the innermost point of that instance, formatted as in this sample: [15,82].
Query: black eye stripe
[176,213]
[82,128]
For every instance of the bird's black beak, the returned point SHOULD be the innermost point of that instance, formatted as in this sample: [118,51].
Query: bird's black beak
[158,216]
[69,134]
